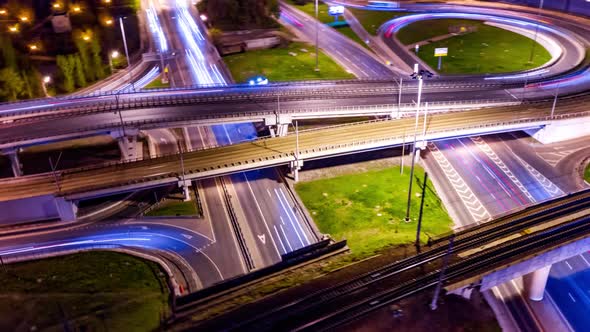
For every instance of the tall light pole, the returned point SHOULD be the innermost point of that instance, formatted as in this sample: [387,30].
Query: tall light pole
[536,31]
[317,61]
[419,75]
[554,101]
[126,51]
[46,80]
[113,55]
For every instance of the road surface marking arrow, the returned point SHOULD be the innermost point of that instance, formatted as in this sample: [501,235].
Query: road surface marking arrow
[187,236]
[262,238]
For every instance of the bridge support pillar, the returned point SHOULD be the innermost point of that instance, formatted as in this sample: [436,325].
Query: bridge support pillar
[278,125]
[66,209]
[534,283]
[295,166]
[12,154]
[131,149]
[185,189]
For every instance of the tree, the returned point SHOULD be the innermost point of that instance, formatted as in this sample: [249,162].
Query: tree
[87,66]
[11,84]
[9,57]
[79,73]
[96,58]
[66,65]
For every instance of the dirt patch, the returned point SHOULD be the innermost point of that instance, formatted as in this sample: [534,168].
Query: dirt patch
[355,167]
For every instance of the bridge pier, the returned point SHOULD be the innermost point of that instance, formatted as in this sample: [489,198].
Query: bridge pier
[295,166]
[66,209]
[185,189]
[535,282]
[278,125]
[131,149]
[12,154]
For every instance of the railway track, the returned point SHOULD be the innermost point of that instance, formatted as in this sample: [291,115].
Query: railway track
[300,313]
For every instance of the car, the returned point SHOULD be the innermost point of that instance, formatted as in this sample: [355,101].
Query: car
[258,80]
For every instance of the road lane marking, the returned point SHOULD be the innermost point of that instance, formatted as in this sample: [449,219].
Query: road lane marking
[261,214]
[568,265]
[476,209]
[294,215]
[289,217]
[550,187]
[571,297]
[286,238]
[487,150]
[279,237]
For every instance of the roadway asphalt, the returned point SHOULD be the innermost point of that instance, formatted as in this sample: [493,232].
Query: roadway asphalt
[257,221]
[507,172]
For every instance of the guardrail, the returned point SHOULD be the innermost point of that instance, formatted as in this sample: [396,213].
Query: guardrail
[282,158]
[235,93]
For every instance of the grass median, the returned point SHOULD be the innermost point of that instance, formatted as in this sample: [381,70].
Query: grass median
[488,49]
[368,209]
[372,20]
[587,173]
[294,62]
[91,291]
[175,206]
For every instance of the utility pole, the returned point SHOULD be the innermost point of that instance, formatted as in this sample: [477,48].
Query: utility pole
[184,188]
[407,219]
[317,63]
[554,101]
[120,115]
[399,98]
[403,153]
[126,51]
[536,31]
[421,210]
[424,128]
[433,304]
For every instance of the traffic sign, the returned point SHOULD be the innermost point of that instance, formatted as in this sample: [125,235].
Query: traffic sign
[442,51]
[336,10]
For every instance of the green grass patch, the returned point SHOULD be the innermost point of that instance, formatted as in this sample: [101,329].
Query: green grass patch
[309,9]
[157,84]
[371,20]
[587,173]
[368,209]
[348,32]
[487,50]
[278,65]
[170,208]
[92,291]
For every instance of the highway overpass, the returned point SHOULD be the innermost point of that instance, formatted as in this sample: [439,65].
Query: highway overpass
[293,150]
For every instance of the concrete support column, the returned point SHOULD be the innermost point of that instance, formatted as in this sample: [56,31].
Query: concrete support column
[185,189]
[66,209]
[534,283]
[283,129]
[129,149]
[12,154]
[295,166]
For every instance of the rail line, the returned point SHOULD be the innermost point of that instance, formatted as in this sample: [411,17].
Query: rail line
[299,309]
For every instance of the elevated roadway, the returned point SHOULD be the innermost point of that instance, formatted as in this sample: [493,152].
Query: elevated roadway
[266,152]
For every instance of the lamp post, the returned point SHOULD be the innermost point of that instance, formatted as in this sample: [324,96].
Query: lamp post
[46,80]
[419,76]
[317,63]
[536,32]
[126,51]
[113,55]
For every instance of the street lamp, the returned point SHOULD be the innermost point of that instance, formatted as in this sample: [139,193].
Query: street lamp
[203,17]
[113,55]
[24,18]
[76,9]
[33,47]
[46,80]
[3,12]
[419,75]
[126,51]
[317,64]
[13,28]
[108,21]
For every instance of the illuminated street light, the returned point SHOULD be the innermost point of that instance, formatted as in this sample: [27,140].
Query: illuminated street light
[3,12]
[108,21]
[13,28]
[113,55]
[86,37]
[203,17]
[46,80]
[77,9]
[33,47]
[24,18]
[56,5]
